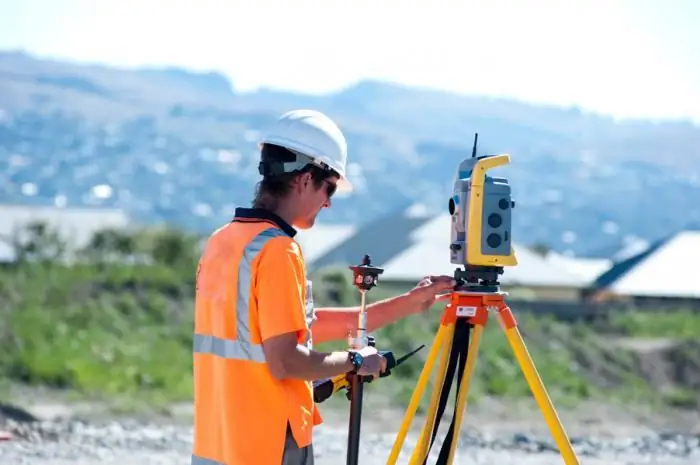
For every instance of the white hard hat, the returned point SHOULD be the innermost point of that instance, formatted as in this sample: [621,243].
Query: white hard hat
[312,134]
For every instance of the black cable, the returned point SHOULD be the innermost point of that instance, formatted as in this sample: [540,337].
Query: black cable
[456,362]
[464,351]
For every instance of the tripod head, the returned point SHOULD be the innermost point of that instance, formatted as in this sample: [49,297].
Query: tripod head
[480,210]
[475,278]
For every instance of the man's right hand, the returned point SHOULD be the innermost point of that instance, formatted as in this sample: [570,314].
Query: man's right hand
[373,364]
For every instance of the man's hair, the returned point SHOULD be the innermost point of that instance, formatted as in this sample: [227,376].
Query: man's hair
[275,186]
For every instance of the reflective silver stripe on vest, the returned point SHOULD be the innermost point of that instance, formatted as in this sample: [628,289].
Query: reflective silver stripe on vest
[228,348]
[196,460]
[240,348]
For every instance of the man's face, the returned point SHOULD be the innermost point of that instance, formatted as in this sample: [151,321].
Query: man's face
[313,199]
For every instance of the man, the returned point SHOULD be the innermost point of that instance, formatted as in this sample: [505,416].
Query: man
[253,359]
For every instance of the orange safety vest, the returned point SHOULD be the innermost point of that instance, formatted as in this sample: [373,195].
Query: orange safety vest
[251,285]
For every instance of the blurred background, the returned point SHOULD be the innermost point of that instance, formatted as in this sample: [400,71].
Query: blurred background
[128,133]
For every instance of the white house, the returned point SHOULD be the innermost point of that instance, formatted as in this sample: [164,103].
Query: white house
[75,226]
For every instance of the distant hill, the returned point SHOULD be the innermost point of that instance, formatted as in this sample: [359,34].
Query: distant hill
[180,146]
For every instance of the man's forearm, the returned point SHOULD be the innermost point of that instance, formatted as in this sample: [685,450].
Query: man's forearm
[311,365]
[334,323]
[384,312]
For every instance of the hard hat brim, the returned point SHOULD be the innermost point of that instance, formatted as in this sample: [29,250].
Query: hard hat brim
[344,186]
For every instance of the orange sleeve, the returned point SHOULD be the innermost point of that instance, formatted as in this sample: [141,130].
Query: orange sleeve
[281,285]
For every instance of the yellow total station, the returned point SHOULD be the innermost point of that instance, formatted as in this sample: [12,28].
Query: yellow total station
[480,208]
[481,242]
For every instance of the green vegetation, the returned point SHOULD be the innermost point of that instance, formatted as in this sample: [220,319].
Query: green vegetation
[102,327]
[117,324]
[680,325]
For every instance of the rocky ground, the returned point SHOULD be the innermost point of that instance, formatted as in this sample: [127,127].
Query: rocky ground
[493,433]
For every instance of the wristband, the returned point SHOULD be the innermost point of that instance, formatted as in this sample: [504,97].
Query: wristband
[356,359]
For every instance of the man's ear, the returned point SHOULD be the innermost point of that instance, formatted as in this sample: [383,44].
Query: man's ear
[300,181]
[304,179]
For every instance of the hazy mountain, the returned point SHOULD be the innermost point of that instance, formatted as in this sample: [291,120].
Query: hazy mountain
[170,144]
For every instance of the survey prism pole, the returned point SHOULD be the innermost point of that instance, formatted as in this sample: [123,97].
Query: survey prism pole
[365,277]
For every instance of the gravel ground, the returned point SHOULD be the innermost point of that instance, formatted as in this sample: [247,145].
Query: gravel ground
[142,443]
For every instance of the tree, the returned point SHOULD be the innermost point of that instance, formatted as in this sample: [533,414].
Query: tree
[38,242]
[540,249]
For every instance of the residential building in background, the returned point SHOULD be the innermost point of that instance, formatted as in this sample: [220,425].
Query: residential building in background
[74,226]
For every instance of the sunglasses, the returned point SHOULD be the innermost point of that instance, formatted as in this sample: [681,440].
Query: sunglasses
[330,188]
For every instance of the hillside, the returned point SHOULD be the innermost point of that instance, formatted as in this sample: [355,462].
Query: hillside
[95,364]
[137,318]
[178,146]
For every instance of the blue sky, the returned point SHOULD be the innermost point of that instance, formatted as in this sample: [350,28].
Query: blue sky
[627,58]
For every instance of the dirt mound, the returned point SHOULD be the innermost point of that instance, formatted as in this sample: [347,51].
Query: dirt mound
[667,367]
[672,368]
[657,368]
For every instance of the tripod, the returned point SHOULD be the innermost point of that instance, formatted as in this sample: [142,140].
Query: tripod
[457,340]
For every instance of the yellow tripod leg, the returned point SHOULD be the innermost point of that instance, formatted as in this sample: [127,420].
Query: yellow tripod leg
[438,343]
[464,387]
[510,327]
[421,450]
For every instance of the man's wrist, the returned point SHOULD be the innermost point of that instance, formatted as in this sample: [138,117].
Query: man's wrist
[411,300]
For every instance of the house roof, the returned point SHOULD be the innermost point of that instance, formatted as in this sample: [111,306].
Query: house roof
[588,269]
[409,246]
[74,225]
[667,268]
[322,239]
[429,254]
[382,239]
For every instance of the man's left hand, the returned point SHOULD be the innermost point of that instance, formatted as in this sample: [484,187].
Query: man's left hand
[429,291]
